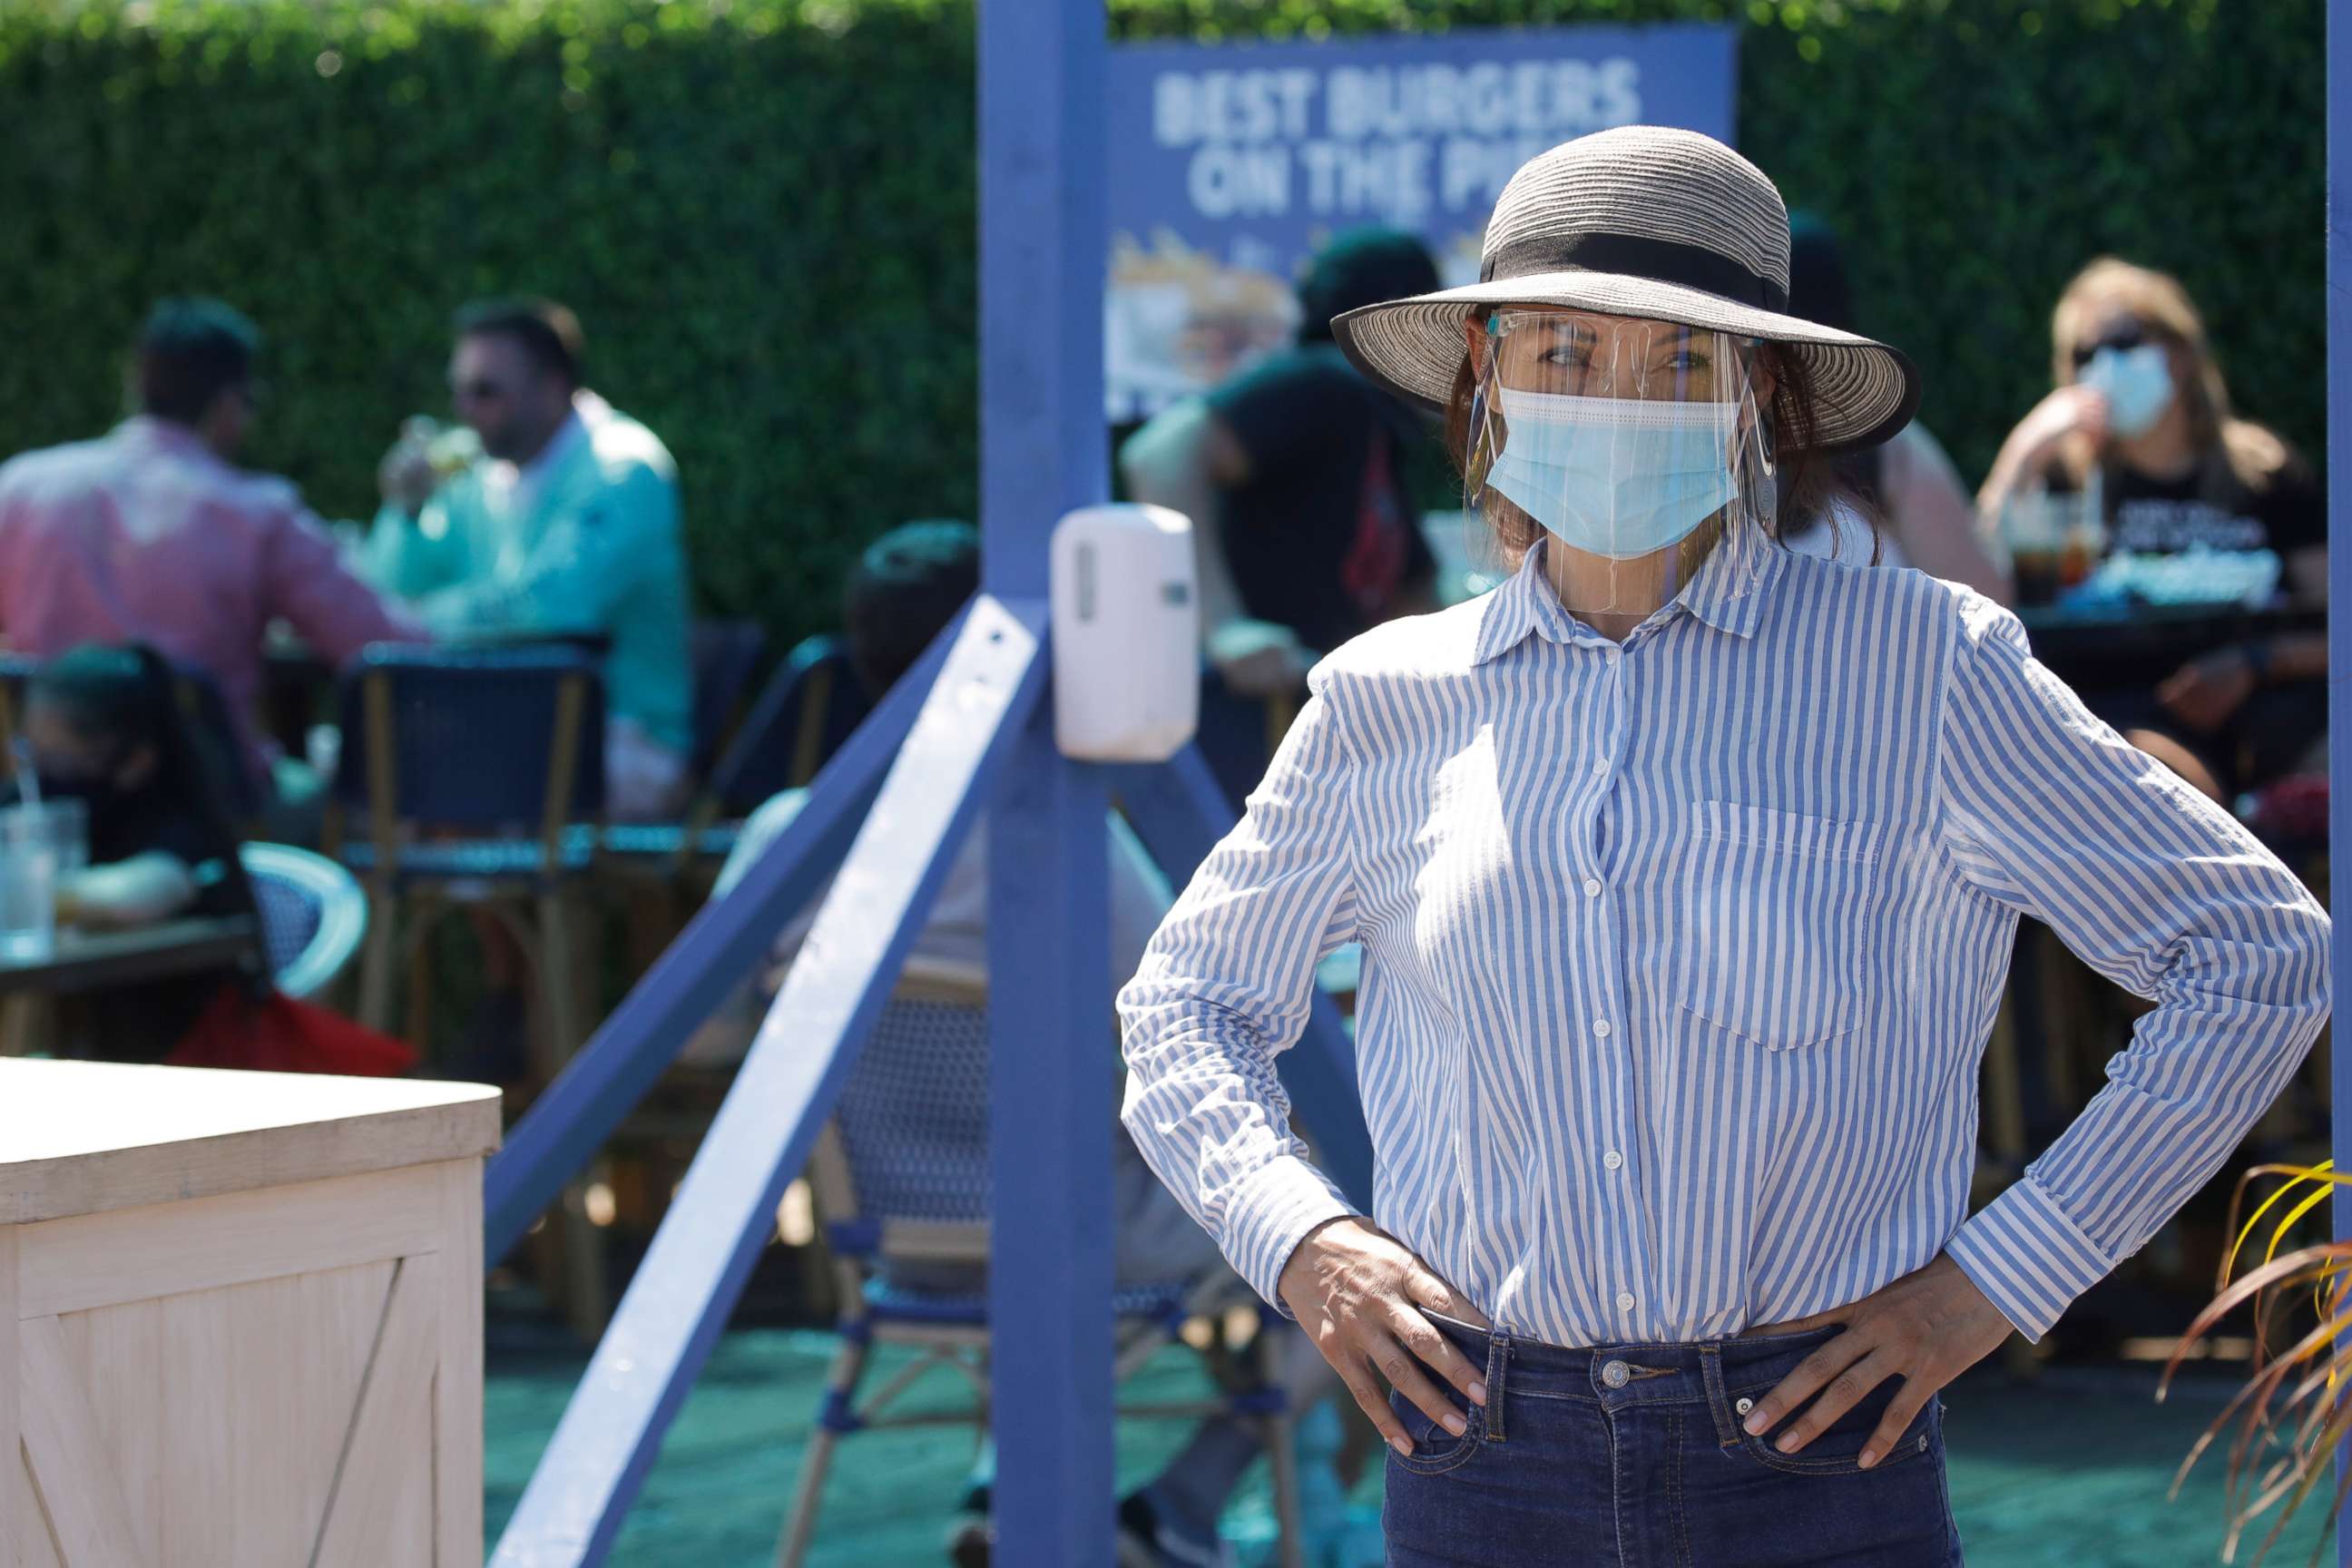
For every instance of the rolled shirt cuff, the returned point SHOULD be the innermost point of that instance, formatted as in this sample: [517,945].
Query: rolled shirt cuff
[2029,1256]
[1275,1208]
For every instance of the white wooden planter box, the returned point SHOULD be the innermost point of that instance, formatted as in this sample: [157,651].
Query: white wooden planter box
[240,1319]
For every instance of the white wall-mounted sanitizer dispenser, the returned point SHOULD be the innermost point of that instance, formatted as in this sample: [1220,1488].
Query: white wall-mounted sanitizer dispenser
[1126,634]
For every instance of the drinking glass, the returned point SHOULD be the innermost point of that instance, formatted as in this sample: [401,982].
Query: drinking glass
[28,884]
[69,833]
[2033,527]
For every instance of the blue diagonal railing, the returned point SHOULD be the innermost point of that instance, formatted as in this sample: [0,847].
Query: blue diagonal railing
[721,947]
[689,1282]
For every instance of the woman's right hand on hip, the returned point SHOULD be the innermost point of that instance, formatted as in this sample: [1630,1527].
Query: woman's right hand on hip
[1363,1297]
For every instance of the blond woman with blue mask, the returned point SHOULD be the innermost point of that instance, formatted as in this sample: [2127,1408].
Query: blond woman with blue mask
[1686,869]
[2141,423]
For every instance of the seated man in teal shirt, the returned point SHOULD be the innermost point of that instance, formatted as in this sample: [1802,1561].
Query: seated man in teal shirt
[566,522]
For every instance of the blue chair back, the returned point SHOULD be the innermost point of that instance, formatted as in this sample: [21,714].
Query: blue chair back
[726,653]
[809,706]
[913,1118]
[314,915]
[482,740]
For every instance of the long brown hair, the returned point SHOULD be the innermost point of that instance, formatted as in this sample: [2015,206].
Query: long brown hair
[2230,451]
[1811,481]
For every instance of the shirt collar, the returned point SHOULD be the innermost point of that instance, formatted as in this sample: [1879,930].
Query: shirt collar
[1726,599]
[1522,607]
[1730,597]
[519,488]
[556,453]
[150,430]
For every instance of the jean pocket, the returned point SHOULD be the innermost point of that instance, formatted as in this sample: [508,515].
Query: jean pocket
[1434,1449]
[1777,909]
[1838,1450]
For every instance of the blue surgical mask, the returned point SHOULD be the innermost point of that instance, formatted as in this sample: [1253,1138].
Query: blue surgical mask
[1616,477]
[2136,384]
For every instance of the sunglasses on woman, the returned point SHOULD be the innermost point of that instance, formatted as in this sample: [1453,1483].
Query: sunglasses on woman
[2122,336]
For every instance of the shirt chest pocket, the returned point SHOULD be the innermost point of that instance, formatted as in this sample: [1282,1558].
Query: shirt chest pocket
[1778,910]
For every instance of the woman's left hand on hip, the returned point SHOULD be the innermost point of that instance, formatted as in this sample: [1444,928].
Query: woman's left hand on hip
[1926,1328]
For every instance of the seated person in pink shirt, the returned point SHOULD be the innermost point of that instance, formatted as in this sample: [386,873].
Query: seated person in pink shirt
[153,534]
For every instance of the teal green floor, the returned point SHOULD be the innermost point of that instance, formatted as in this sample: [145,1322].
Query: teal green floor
[2067,1471]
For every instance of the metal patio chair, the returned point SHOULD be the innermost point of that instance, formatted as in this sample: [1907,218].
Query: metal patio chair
[479,773]
[900,1180]
[726,654]
[313,916]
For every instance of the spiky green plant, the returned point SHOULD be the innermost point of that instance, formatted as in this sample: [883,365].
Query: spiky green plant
[2290,1418]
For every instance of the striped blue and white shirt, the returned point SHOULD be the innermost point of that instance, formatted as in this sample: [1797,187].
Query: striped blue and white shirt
[1680,955]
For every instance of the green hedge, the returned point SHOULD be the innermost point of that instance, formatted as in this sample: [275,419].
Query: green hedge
[763,210]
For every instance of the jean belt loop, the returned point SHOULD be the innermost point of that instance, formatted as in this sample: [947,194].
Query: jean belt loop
[1499,1363]
[1710,1360]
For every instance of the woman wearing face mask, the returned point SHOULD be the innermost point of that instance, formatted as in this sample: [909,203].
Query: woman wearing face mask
[1686,868]
[2141,412]
[103,726]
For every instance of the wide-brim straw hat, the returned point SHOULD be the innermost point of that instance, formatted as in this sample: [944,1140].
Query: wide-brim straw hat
[1648,221]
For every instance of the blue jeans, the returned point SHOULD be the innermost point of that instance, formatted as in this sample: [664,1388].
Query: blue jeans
[1632,1457]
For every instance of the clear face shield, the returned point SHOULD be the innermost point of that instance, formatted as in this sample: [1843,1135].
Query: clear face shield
[1638,446]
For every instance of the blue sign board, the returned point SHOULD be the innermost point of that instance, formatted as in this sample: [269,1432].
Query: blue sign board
[1231,163]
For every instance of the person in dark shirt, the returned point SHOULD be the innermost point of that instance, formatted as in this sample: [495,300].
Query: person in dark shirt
[2284,511]
[1294,474]
[103,726]
[2141,412]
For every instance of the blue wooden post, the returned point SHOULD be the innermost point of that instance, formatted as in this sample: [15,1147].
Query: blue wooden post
[1051,1042]
[2339,67]
[983,734]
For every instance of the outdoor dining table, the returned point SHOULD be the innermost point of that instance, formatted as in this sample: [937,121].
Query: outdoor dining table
[85,961]
[2109,647]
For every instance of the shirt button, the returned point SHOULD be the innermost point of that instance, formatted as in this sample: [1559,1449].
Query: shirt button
[1624,1301]
[1592,887]
[1600,767]
[1612,1159]
[1600,1028]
